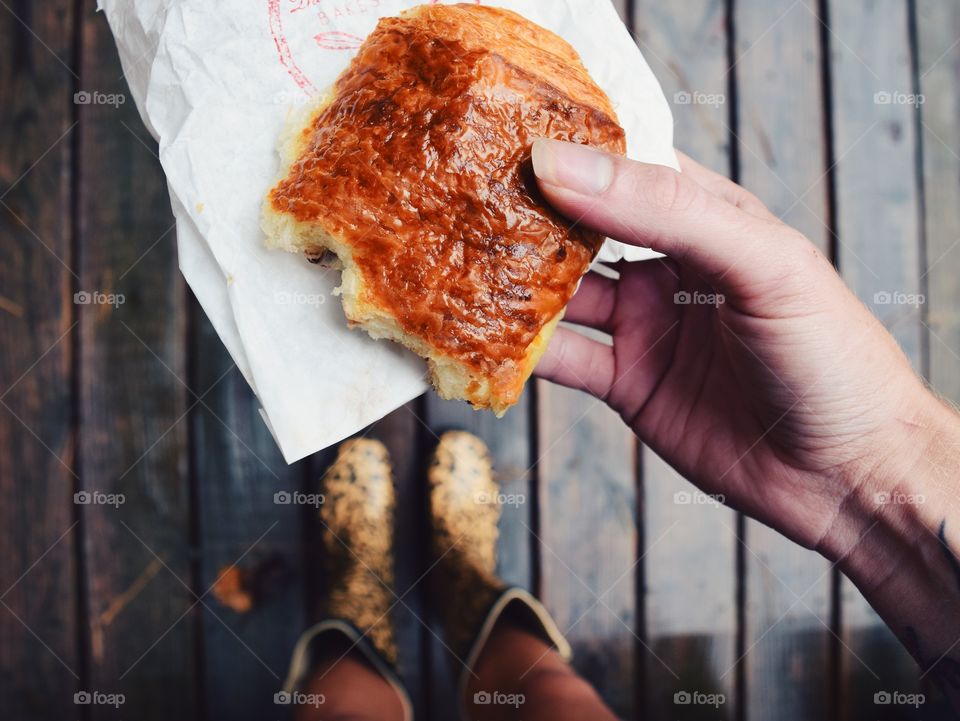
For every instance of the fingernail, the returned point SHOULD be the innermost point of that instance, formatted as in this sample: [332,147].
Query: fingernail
[574,167]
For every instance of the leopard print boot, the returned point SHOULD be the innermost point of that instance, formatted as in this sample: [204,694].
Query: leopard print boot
[357,519]
[465,510]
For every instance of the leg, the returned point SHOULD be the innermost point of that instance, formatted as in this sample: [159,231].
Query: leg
[543,686]
[344,687]
[344,669]
[521,672]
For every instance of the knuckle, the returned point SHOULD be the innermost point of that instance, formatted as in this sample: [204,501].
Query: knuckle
[749,197]
[749,202]
[666,189]
[740,197]
[799,248]
[598,380]
[796,263]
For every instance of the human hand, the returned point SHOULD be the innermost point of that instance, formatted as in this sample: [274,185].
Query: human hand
[785,396]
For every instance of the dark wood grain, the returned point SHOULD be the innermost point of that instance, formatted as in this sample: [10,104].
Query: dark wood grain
[133,402]
[878,253]
[39,659]
[782,151]
[586,489]
[587,492]
[691,584]
[938,26]
[199,477]
[238,471]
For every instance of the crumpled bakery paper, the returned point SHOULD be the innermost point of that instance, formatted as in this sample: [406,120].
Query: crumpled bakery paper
[214,82]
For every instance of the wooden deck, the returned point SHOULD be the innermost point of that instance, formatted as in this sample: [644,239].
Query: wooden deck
[659,596]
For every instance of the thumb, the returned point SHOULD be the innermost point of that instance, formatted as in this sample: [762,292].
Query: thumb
[656,207]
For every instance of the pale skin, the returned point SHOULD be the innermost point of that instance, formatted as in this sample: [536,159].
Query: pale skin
[784,394]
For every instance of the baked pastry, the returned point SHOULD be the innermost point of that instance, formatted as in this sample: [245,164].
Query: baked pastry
[415,171]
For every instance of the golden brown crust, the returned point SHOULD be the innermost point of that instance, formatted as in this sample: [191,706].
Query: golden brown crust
[420,167]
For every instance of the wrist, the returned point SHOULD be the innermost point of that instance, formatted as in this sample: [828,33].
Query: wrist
[897,498]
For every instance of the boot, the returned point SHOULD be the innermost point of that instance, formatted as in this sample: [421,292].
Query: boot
[465,510]
[357,516]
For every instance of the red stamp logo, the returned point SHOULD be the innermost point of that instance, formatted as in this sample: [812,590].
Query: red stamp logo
[321,20]
[336,40]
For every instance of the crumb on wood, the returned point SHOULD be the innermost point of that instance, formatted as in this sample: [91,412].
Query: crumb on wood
[233,589]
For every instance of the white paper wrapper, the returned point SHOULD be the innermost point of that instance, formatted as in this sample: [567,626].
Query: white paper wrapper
[214,82]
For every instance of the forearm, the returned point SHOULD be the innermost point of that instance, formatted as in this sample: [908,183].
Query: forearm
[898,539]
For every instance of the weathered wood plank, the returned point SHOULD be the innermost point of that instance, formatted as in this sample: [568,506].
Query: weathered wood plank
[690,546]
[588,537]
[586,487]
[238,471]
[938,26]
[132,437]
[782,151]
[938,29]
[39,658]
[879,255]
